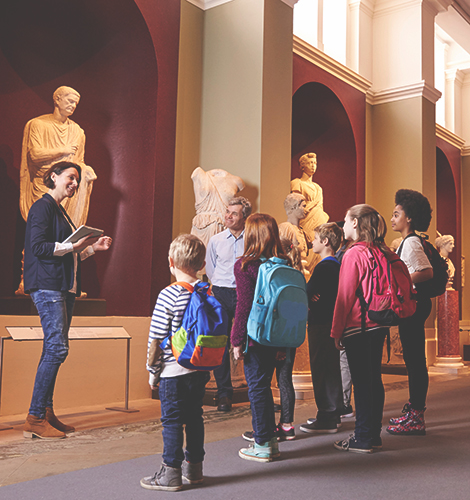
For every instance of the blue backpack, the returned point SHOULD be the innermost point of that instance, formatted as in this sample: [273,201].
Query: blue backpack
[279,313]
[201,341]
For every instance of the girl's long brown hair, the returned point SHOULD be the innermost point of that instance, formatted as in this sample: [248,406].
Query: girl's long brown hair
[371,226]
[262,239]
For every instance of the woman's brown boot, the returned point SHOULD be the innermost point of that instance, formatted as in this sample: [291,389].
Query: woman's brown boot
[56,423]
[41,428]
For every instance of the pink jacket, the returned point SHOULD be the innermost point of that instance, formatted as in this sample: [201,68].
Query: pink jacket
[356,269]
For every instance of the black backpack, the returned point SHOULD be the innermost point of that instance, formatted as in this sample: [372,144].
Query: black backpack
[437,284]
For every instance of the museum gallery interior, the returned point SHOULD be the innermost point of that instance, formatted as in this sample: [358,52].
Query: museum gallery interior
[379,90]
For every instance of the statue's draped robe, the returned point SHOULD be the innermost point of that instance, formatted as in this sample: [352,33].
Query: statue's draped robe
[42,135]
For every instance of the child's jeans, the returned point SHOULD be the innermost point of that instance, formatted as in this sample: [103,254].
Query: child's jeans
[286,387]
[181,405]
[326,372]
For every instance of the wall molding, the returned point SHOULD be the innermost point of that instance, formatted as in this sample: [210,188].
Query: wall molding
[420,89]
[330,65]
[451,138]
[209,4]
[384,7]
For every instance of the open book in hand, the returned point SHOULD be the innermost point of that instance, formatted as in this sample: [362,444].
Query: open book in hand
[81,232]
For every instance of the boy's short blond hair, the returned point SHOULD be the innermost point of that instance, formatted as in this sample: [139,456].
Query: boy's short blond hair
[188,253]
[333,232]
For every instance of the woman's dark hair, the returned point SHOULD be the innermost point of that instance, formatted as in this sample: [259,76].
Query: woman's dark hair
[416,207]
[57,169]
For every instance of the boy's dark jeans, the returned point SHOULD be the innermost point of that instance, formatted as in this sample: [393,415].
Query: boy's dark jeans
[181,405]
[326,372]
[228,300]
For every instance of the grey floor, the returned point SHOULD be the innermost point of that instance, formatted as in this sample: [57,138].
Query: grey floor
[436,466]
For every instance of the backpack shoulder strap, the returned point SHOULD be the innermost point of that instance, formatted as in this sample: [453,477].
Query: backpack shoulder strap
[188,287]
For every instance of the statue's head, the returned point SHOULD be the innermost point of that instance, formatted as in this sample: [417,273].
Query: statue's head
[293,202]
[445,242]
[66,100]
[308,163]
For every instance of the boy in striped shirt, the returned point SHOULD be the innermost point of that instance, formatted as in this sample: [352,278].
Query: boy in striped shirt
[181,390]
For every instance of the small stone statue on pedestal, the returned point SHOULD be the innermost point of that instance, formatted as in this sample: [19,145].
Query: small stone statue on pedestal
[445,245]
[448,337]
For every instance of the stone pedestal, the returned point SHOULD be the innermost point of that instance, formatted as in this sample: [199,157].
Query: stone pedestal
[448,351]
[302,376]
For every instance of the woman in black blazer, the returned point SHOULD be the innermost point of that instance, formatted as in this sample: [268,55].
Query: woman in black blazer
[52,277]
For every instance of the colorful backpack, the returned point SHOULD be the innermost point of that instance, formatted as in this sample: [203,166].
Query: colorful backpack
[393,297]
[278,316]
[437,284]
[201,341]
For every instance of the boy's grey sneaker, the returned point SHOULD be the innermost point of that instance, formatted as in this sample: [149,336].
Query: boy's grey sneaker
[352,444]
[249,436]
[312,420]
[316,427]
[192,472]
[347,412]
[167,479]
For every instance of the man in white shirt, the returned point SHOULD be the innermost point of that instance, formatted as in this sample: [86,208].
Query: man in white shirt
[223,250]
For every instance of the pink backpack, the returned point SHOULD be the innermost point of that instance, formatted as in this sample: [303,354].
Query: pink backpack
[393,296]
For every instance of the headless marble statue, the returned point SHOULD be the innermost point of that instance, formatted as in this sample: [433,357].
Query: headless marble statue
[213,190]
[313,195]
[445,245]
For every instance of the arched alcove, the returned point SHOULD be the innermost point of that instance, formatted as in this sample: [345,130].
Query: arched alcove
[446,212]
[128,113]
[321,125]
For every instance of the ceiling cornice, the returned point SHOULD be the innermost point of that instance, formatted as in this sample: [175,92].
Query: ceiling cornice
[449,137]
[209,4]
[320,59]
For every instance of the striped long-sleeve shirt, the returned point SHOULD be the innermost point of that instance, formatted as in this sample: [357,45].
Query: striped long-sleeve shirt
[166,320]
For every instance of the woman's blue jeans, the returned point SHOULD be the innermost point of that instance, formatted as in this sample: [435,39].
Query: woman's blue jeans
[55,310]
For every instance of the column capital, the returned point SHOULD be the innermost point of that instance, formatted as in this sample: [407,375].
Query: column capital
[366,6]
[208,4]
[420,89]
[455,75]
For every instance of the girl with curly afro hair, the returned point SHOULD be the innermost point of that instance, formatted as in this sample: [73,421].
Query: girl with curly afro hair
[413,213]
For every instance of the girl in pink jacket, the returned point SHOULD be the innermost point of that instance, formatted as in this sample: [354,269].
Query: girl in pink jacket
[364,225]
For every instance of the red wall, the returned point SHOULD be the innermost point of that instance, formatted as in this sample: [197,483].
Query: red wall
[337,132]
[124,61]
[448,210]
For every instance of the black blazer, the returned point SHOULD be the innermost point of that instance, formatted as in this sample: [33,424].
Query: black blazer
[47,224]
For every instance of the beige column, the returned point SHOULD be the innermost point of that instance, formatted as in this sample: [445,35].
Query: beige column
[466,240]
[247,96]
[402,148]
[401,152]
